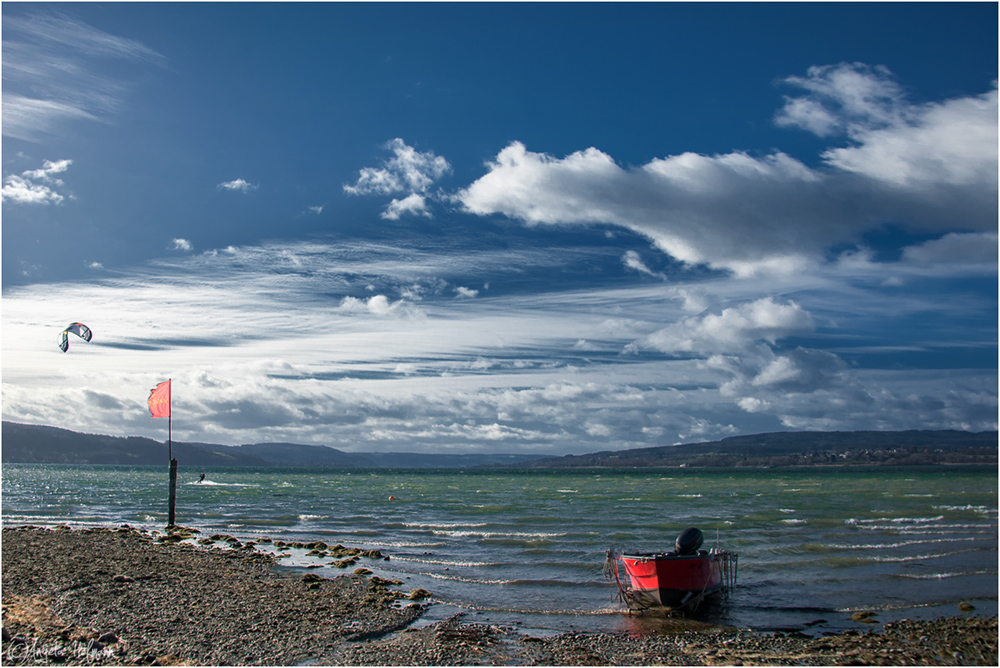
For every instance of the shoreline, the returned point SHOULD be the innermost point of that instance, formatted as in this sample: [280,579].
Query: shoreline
[124,596]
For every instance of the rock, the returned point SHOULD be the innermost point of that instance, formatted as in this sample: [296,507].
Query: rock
[418,594]
[362,571]
[108,638]
[122,578]
[864,616]
[966,607]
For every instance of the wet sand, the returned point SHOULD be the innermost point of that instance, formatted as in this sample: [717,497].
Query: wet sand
[123,596]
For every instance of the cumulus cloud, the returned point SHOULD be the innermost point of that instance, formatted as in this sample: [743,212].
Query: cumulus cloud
[950,143]
[409,172]
[55,72]
[412,204]
[379,305]
[237,185]
[929,168]
[36,186]
[183,245]
[733,330]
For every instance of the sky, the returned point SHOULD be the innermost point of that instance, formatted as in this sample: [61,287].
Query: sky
[500,227]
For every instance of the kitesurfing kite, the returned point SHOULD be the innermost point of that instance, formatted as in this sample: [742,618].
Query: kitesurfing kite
[77,328]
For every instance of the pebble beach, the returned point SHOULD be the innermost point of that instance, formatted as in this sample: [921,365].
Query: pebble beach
[124,596]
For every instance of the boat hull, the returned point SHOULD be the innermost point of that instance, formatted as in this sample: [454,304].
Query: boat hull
[672,581]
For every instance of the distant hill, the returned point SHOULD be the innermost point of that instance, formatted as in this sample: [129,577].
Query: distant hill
[803,448]
[23,443]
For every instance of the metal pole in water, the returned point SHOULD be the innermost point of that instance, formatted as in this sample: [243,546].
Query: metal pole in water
[173,492]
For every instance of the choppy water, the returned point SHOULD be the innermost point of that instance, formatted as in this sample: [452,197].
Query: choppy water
[527,547]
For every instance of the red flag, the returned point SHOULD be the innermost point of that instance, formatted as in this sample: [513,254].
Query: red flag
[159,400]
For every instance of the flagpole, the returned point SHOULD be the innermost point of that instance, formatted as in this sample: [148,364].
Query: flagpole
[170,418]
[156,409]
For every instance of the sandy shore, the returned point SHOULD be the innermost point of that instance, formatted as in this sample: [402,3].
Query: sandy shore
[128,597]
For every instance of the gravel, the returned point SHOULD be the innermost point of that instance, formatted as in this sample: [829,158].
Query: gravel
[129,597]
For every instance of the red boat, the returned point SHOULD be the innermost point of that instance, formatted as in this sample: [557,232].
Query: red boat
[682,578]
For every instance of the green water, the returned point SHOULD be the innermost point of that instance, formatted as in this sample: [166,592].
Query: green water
[528,546]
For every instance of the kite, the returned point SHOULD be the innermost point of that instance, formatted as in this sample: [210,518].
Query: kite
[77,328]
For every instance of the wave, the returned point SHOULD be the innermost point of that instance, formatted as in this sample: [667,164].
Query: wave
[440,525]
[212,483]
[449,563]
[896,520]
[943,576]
[920,557]
[904,543]
[495,535]
[985,510]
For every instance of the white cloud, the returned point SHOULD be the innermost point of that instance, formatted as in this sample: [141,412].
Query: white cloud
[413,204]
[319,342]
[951,143]
[183,245]
[381,306]
[956,248]
[237,185]
[410,172]
[734,329]
[632,260]
[36,186]
[54,72]
[927,168]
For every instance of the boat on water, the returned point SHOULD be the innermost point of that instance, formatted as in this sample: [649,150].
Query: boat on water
[677,580]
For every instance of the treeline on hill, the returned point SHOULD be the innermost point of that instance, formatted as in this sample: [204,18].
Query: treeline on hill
[24,443]
[36,444]
[808,448]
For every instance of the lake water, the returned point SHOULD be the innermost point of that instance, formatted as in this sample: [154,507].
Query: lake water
[527,547]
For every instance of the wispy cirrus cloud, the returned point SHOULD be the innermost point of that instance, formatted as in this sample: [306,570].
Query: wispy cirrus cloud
[362,345]
[55,71]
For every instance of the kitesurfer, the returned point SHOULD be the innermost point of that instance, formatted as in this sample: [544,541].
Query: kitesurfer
[202,478]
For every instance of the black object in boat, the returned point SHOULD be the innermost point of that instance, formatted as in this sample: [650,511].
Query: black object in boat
[688,541]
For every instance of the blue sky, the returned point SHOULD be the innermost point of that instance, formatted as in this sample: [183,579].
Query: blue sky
[552,228]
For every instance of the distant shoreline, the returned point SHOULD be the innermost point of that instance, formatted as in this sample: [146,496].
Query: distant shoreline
[34,444]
